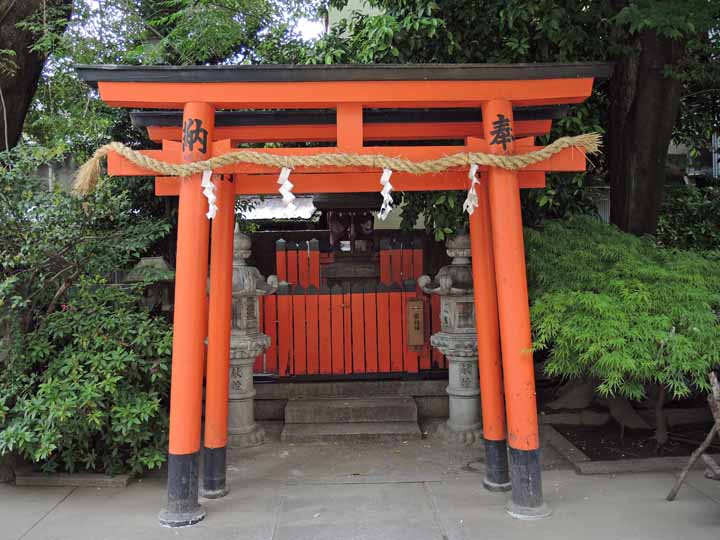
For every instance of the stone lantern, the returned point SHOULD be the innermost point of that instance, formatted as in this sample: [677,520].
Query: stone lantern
[246,343]
[457,340]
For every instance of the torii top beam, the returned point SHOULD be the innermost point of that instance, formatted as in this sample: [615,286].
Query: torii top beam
[313,87]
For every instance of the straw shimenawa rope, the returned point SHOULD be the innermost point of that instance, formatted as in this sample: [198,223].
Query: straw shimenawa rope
[87,176]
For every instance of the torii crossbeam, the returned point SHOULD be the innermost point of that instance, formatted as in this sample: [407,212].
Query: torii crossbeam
[351,107]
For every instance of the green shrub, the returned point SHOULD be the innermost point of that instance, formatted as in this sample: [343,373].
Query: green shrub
[83,366]
[690,218]
[616,308]
[90,389]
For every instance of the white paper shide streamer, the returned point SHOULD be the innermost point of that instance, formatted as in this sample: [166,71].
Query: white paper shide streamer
[209,191]
[471,201]
[285,189]
[387,187]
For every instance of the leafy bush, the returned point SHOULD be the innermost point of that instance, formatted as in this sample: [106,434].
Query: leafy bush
[690,218]
[83,368]
[618,309]
[90,389]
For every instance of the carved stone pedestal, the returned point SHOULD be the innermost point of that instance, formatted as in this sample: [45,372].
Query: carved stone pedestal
[246,343]
[457,340]
[242,429]
[463,425]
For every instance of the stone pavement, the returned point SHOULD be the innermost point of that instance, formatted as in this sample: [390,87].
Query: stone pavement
[416,490]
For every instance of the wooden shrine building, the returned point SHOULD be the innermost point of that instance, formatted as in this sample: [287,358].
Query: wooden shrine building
[398,111]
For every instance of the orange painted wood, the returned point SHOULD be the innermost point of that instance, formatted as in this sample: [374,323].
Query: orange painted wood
[281,260]
[371,331]
[270,329]
[314,263]
[406,255]
[425,355]
[384,94]
[383,329]
[513,308]
[337,182]
[313,331]
[396,274]
[400,131]
[337,310]
[349,126]
[291,256]
[417,263]
[437,357]
[258,365]
[325,350]
[190,323]
[411,362]
[285,332]
[347,329]
[385,269]
[299,332]
[358,330]
[303,264]
[397,333]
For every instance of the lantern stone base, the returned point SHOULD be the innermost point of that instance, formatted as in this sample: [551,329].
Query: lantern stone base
[243,432]
[254,437]
[461,438]
[463,425]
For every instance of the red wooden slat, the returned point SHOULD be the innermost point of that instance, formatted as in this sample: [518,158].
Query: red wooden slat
[314,263]
[258,365]
[303,258]
[406,255]
[397,333]
[371,330]
[337,312]
[313,330]
[417,263]
[425,356]
[292,263]
[270,328]
[281,260]
[396,266]
[325,331]
[383,330]
[285,331]
[347,328]
[358,329]
[299,332]
[437,356]
[411,357]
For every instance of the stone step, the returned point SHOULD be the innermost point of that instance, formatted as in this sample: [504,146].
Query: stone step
[351,410]
[351,432]
[351,389]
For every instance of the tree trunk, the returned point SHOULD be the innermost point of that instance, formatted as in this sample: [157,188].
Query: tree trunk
[644,106]
[18,87]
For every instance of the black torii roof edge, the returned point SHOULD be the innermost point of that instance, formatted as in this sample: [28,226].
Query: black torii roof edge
[92,74]
[144,119]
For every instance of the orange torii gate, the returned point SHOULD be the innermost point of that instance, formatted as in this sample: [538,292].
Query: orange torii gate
[500,288]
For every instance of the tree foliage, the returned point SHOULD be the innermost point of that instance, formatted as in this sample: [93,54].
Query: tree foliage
[618,309]
[83,375]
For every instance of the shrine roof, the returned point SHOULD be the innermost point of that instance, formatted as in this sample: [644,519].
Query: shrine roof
[92,74]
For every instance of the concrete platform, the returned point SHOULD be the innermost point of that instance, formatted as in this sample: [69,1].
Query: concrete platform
[414,490]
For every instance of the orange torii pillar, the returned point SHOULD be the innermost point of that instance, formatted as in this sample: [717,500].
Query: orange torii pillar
[488,337]
[514,317]
[218,351]
[189,327]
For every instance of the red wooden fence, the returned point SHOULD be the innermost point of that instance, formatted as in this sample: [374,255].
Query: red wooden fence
[321,331]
